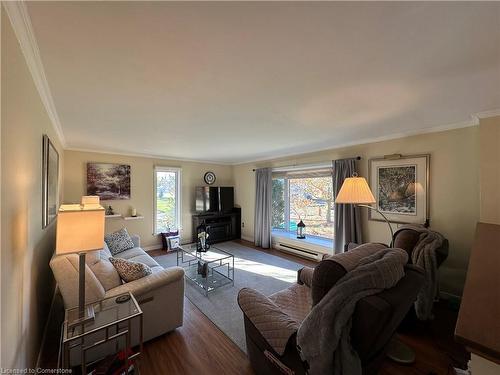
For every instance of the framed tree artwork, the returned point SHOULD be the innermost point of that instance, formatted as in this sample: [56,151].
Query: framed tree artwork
[108,181]
[50,181]
[401,188]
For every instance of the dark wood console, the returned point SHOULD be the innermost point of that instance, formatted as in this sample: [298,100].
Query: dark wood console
[223,226]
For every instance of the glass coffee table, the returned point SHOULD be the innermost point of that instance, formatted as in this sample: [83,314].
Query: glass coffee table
[218,271]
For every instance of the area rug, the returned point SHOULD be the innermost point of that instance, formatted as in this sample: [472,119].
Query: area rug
[253,269]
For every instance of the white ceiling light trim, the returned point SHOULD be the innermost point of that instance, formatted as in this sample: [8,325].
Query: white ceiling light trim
[21,23]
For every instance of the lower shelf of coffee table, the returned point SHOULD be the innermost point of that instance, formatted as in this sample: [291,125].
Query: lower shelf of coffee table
[214,279]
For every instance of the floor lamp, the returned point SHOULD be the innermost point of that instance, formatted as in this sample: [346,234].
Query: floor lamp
[80,229]
[355,190]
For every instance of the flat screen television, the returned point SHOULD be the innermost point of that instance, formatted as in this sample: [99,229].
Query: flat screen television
[210,199]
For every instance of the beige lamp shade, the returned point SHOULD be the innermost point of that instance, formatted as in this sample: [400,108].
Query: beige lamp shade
[80,228]
[90,199]
[355,190]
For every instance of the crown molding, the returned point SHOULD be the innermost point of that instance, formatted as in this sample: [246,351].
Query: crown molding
[474,121]
[21,23]
[435,129]
[485,114]
[145,155]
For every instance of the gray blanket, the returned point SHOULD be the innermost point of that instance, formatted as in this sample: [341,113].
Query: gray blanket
[424,256]
[326,346]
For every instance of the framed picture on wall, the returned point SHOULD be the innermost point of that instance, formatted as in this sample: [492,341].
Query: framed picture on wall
[401,188]
[50,181]
[108,181]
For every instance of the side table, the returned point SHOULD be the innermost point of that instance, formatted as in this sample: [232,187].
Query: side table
[112,322]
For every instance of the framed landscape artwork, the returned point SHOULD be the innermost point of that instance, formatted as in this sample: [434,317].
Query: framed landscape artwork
[108,181]
[50,181]
[400,185]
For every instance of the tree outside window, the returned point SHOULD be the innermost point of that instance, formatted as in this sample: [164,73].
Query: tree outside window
[309,199]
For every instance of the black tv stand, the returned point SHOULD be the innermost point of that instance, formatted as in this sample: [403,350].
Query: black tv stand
[223,226]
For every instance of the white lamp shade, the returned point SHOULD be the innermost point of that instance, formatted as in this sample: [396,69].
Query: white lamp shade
[79,228]
[90,199]
[355,190]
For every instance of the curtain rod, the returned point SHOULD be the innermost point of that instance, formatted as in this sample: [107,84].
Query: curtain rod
[305,165]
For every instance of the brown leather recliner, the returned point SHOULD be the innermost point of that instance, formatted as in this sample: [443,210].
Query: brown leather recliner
[374,321]
[407,239]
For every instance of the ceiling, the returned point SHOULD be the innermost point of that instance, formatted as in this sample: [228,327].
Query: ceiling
[236,82]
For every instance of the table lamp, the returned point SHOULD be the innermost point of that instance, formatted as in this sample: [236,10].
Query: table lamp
[80,229]
[355,190]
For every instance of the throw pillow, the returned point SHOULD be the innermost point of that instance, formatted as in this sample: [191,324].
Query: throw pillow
[119,241]
[130,270]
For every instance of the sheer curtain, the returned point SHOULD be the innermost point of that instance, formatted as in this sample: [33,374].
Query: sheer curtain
[263,207]
[347,218]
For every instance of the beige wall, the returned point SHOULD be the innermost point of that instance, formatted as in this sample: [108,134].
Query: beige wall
[489,158]
[454,191]
[141,189]
[27,282]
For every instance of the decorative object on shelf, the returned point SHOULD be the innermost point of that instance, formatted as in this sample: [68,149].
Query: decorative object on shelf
[50,181]
[301,230]
[203,233]
[108,181]
[203,269]
[110,211]
[89,219]
[401,187]
[133,212]
[209,178]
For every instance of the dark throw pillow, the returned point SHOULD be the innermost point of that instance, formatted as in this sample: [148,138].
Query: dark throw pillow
[118,241]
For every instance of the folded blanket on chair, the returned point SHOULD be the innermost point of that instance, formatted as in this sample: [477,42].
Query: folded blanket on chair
[424,256]
[325,346]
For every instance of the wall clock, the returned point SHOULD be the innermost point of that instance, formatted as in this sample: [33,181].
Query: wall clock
[209,178]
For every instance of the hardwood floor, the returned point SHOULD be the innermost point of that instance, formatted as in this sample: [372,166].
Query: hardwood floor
[199,347]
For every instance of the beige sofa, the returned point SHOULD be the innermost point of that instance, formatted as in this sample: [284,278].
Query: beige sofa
[160,295]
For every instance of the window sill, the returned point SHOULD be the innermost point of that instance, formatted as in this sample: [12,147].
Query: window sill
[323,245]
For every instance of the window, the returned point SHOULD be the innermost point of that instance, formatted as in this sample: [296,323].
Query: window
[306,196]
[167,199]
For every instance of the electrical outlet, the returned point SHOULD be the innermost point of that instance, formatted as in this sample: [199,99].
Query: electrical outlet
[242,224]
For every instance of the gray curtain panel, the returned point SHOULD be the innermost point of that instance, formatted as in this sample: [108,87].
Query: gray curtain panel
[263,207]
[347,217]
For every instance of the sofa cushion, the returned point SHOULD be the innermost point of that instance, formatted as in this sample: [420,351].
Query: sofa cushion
[130,253]
[66,273]
[129,270]
[105,250]
[119,241]
[105,272]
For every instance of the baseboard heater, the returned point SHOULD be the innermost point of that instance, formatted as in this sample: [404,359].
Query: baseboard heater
[300,251]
